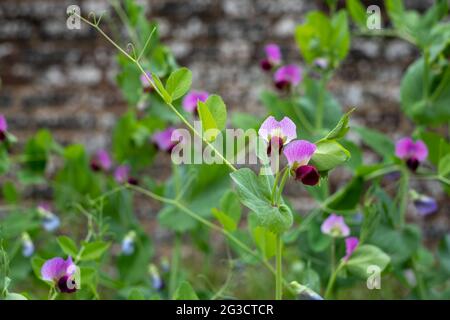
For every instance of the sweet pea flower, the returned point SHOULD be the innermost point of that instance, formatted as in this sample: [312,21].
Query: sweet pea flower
[61,272]
[351,243]
[50,221]
[321,63]
[101,161]
[335,226]
[3,127]
[128,243]
[192,98]
[277,133]
[146,85]
[425,205]
[157,281]
[163,139]
[287,76]
[27,245]
[121,173]
[298,153]
[412,152]
[273,57]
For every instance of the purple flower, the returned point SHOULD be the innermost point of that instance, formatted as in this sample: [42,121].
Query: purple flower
[335,226]
[287,76]
[157,282]
[273,57]
[321,63]
[351,243]
[277,133]
[425,205]
[3,127]
[298,153]
[412,152]
[27,245]
[163,139]
[50,221]
[61,272]
[101,161]
[192,98]
[146,85]
[121,173]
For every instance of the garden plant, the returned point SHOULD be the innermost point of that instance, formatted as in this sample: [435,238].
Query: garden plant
[226,198]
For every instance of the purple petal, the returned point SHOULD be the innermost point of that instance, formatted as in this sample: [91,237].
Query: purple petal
[425,205]
[53,269]
[289,73]
[144,81]
[299,152]
[406,148]
[3,124]
[285,129]
[191,99]
[163,139]
[321,63]
[121,173]
[103,160]
[273,53]
[335,226]
[351,243]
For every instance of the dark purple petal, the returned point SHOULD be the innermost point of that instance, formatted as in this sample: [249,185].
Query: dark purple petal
[275,143]
[412,164]
[308,175]
[265,65]
[67,284]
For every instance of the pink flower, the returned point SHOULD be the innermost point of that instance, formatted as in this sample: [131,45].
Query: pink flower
[163,139]
[273,57]
[101,161]
[335,226]
[298,153]
[61,272]
[351,243]
[121,173]
[412,152]
[277,133]
[3,127]
[192,98]
[146,85]
[287,76]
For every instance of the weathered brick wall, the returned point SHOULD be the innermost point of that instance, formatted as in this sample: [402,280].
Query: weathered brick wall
[63,80]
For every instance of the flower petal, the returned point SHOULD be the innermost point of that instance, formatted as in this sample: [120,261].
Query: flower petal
[121,173]
[335,226]
[404,147]
[351,243]
[288,129]
[191,99]
[267,127]
[163,139]
[273,53]
[53,269]
[421,150]
[299,152]
[3,124]
[289,73]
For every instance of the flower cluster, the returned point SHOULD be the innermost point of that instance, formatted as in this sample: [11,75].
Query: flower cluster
[336,227]
[280,136]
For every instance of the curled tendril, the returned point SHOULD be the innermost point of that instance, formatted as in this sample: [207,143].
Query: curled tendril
[131,49]
[94,17]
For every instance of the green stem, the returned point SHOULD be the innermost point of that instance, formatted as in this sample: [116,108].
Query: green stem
[274,188]
[176,258]
[426,72]
[169,104]
[282,183]
[331,282]
[279,275]
[333,254]
[403,196]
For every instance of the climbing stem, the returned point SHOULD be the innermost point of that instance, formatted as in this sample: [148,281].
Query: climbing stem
[278,269]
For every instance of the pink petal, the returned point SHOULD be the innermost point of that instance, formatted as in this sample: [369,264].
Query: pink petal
[403,148]
[299,152]
[121,173]
[288,129]
[53,269]
[289,73]
[335,225]
[351,243]
[144,81]
[103,159]
[3,124]
[273,53]
[191,99]
[421,151]
[163,139]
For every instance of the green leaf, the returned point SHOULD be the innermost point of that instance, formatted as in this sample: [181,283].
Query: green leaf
[159,85]
[15,296]
[357,12]
[329,154]
[185,292]
[213,114]
[179,83]
[255,195]
[341,129]
[444,166]
[10,193]
[347,197]
[94,250]
[68,246]
[363,257]
[377,141]
[230,212]
[437,146]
